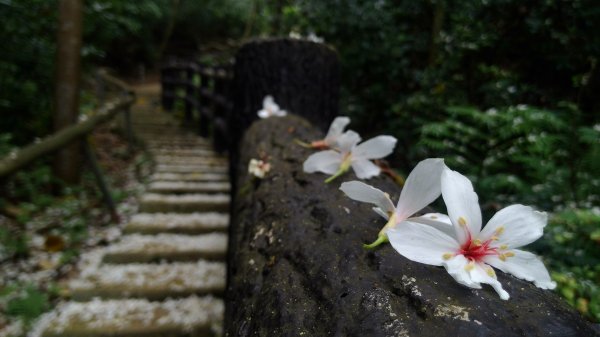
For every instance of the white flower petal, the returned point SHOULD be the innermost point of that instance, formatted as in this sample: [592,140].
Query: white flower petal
[439,221]
[280,113]
[421,243]
[456,267]
[381,212]
[347,141]
[336,128]
[365,169]
[462,204]
[524,265]
[421,188]
[360,191]
[263,113]
[325,161]
[268,100]
[479,274]
[515,226]
[375,148]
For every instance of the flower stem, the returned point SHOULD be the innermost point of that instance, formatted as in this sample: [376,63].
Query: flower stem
[337,174]
[301,143]
[382,238]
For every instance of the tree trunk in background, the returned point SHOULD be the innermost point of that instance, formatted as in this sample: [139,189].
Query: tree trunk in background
[67,162]
[436,29]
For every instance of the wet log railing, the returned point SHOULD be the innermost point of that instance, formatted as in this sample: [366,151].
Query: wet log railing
[205,93]
[119,104]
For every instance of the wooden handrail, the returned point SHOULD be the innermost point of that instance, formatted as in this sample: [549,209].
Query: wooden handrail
[49,144]
[208,101]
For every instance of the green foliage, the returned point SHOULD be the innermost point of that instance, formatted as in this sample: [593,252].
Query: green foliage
[516,154]
[26,302]
[572,251]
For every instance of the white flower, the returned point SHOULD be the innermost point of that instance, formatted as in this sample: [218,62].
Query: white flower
[467,252]
[258,168]
[421,188]
[349,154]
[336,130]
[270,108]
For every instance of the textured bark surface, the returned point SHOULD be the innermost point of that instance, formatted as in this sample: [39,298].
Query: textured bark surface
[302,76]
[297,268]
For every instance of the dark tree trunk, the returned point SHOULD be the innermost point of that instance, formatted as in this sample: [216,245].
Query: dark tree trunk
[67,163]
[297,266]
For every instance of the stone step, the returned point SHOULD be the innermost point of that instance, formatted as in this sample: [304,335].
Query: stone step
[190,168]
[193,223]
[150,281]
[165,246]
[183,151]
[184,317]
[188,187]
[192,160]
[184,203]
[167,176]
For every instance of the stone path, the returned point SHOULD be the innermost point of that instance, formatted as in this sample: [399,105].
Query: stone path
[166,274]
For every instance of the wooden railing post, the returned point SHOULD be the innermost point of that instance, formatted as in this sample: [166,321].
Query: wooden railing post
[204,120]
[189,91]
[167,87]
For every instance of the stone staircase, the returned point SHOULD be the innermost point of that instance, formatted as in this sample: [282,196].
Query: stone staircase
[166,274]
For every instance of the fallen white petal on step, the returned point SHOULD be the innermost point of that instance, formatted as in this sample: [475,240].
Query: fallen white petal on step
[186,314]
[177,220]
[139,243]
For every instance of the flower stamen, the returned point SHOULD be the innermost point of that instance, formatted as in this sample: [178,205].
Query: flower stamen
[462,221]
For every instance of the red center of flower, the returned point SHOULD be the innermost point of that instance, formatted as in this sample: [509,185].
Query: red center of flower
[474,250]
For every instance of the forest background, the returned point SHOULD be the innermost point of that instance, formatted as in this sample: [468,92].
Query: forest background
[507,91]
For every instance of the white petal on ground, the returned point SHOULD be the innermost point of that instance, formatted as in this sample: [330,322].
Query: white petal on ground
[375,148]
[522,225]
[462,203]
[360,191]
[524,265]
[324,161]
[336,128]
[421,188]
[365,169]
[438,221]
[480,275]
[280,113]
[421,243]
[347,141]
[456,268]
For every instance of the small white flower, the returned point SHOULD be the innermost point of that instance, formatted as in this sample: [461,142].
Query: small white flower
[466,251]
[258,168]
[314,38]
[349,154]
[336,130]
[270,108]
[421,188]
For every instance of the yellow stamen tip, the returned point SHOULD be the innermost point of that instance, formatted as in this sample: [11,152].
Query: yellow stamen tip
[470,266]
[494,238]
[434,217]
[500,230]
[477,242]
[447,256]
[504,247]
[462,221]
[502,257]
[509,254]
[491,272]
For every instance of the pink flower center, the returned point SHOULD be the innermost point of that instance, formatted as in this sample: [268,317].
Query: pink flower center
[475,250]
